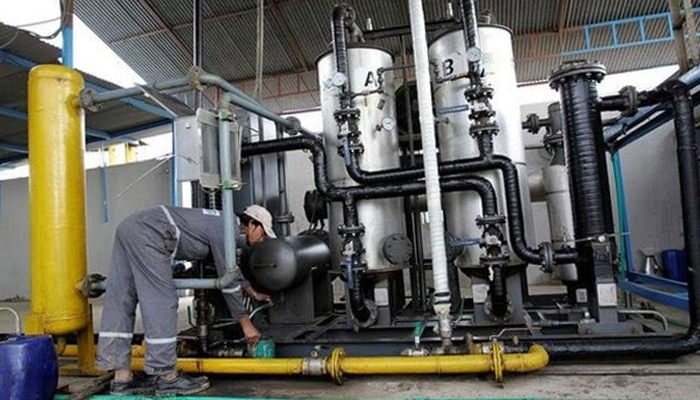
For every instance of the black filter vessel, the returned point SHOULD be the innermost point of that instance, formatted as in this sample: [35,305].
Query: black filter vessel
[281,264]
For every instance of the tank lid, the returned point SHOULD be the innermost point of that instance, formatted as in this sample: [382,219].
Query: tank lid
[354,46]
[459,28]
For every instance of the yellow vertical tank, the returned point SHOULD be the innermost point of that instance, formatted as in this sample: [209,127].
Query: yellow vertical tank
[56,201]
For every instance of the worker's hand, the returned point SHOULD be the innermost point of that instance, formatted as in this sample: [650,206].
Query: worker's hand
[251,334]
[262,297]
[257,296]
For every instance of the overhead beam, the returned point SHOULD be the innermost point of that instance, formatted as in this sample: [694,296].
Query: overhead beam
[26,64]
[289,37]
[15,148]
[21,115]
[121,135]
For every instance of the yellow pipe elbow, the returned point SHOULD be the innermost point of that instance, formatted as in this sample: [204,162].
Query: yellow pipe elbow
[535,359]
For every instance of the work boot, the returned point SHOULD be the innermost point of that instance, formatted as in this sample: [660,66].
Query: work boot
[182,384]
[140,384]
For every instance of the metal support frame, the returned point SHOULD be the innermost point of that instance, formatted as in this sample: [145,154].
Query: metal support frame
[26,64]
[625,132]
[16,114]
[640,25]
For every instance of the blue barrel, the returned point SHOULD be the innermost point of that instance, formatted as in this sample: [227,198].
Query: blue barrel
[674,265]
[28,367]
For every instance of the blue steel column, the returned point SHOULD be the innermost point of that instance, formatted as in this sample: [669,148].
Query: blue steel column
[625,243]
[67,35]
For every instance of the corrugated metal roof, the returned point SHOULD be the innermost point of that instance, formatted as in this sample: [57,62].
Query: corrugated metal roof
[230,35]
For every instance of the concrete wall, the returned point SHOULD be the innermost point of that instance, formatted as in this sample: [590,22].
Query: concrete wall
[153,188]
[652,191]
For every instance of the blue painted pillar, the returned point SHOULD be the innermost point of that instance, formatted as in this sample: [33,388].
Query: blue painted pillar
[626,261]
[67,35]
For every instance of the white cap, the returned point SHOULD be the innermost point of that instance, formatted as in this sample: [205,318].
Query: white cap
[261,215]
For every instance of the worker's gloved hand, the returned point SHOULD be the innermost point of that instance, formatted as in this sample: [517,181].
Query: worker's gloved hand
[251,333]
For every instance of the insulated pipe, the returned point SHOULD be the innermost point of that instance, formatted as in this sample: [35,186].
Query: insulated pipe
[340,51]
[432,175]
[585,147]
[689,176]
[467,11]
[57,244]
[227,186]
[502,163]
[338,365]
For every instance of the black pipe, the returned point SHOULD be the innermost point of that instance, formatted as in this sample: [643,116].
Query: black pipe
[467,11]
[478,184]
[585,147]
[349,195]
[488,162]
[340,49]
[666,347]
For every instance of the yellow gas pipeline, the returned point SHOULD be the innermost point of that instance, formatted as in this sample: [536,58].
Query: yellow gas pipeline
[56,202]
[338,365]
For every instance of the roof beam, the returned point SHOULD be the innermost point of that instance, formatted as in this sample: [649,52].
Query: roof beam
[26,64]
[289,37]
[16,114]
[561,20]
[15,148]
[210,19]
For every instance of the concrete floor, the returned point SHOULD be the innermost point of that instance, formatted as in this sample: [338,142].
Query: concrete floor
[675,380]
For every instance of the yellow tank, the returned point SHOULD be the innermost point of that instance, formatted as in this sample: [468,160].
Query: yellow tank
[56,201]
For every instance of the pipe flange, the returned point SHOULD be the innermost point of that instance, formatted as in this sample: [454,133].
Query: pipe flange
[479,93]
[477,130]
[547,256]
[497,360]
[630,92]
[346,114]
[494,261]
[579,69]
[481,115]
[333,365]
[357,230]
[87,100]
[490,220]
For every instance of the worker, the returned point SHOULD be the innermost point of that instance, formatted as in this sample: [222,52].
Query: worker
[145,245]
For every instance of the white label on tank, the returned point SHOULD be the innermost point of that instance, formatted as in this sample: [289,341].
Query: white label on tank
[381,296]
[451,64]
[607,294]
[368,79]
[581,296]
[480,292]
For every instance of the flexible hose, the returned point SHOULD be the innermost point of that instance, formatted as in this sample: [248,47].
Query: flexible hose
[430,161]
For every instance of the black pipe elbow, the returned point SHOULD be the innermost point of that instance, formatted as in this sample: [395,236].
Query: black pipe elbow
[340,49]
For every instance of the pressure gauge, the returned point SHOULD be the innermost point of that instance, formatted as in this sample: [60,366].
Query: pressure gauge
[388,123]
[339,79]
[474,54]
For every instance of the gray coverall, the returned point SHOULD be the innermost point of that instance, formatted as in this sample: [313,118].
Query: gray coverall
[145,245]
